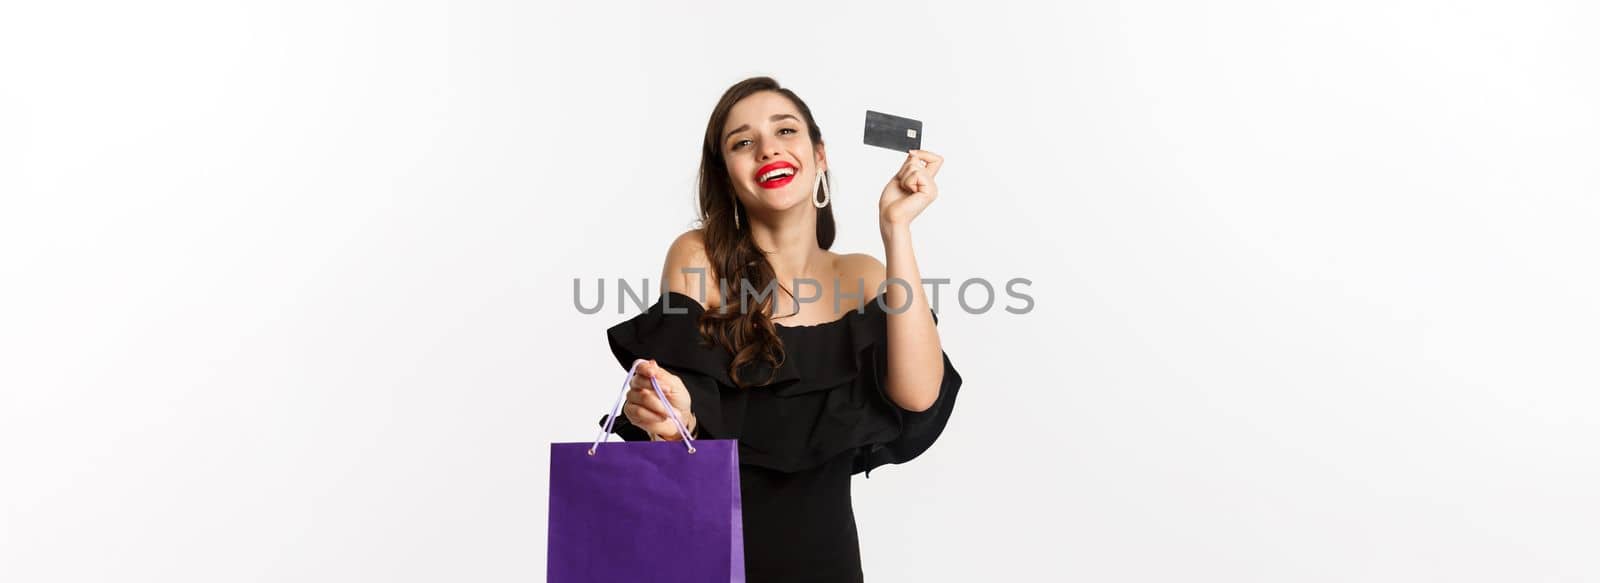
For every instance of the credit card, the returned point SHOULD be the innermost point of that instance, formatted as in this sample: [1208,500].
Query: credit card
[893,132]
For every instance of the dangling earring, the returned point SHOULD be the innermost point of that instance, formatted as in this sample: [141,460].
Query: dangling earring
[823,184]
[735,214]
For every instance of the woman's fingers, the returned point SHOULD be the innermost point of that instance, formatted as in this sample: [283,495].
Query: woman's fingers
[647,420]
[918,163]
[918,181]
[902,179]
[645,409]
[648,373]
[646,398]
[932,161]
[641,416]
[909,181]
[650,369]
[911,164]
[643,395]
[670,384]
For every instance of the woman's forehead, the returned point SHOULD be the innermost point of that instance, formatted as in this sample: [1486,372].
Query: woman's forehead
[760,108]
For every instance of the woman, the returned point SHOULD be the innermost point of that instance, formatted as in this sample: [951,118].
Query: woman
[832,373]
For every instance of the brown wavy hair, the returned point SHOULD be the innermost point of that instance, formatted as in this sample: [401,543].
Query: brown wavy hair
[749,335]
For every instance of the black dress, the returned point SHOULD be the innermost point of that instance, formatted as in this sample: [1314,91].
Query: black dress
[824,417]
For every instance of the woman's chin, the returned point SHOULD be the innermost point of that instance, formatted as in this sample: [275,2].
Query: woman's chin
[782,199]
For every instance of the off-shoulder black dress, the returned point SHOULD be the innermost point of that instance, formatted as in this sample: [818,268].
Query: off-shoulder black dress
[825,417]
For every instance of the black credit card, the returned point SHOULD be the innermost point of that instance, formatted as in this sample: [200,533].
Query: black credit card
[893,132]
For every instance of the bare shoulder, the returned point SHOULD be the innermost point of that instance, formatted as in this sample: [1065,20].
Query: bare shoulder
[687,269]
[862,267]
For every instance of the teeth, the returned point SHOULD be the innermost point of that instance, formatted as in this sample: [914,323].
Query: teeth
[776,173]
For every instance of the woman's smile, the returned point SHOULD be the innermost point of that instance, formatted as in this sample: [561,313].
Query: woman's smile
[775,175]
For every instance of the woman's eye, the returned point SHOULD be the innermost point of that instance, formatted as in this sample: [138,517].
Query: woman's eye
[739,143]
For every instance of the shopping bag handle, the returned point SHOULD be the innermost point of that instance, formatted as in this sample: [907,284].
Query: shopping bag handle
[605,432]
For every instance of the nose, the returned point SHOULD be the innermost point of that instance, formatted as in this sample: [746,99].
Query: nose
[769,152]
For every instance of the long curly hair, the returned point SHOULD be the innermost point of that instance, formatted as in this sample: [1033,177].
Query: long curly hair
[748,334]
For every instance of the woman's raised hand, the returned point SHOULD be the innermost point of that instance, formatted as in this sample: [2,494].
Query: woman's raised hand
[911,190]
[644,409]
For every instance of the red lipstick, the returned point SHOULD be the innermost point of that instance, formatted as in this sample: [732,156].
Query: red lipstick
[779,181]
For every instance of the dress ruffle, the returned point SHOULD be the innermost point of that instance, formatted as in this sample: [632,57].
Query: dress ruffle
[826,398]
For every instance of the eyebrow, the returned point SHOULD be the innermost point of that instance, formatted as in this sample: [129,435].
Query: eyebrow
[747,126]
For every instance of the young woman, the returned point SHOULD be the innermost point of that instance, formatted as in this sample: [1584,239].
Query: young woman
[836,371]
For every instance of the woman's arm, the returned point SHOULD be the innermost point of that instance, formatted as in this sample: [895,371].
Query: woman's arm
[916,360]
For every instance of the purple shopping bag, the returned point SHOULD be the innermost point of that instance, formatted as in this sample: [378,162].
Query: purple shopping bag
[645,510]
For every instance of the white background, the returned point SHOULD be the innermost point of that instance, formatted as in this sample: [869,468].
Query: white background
[287,287]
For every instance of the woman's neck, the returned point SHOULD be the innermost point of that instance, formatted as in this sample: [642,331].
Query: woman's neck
[791,245]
